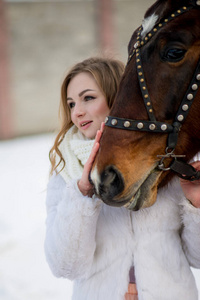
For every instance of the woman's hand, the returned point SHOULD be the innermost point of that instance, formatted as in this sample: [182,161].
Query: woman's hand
[84,185]
[191,189]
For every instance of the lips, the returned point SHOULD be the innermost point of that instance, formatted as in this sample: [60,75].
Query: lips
[85,124]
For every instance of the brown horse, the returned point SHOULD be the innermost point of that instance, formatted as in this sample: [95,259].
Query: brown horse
[156,114]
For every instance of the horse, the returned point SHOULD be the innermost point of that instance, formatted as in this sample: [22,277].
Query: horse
[152,131]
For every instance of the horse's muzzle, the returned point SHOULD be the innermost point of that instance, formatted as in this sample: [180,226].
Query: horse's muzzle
[110,188]
[109,185]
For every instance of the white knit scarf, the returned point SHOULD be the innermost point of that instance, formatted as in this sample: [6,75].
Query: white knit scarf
[75,149]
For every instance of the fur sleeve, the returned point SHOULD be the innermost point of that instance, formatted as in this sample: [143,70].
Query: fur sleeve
[190,224]
[191,233]
[191,229]
[70,229]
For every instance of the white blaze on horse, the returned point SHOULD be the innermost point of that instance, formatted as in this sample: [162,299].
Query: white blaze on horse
[153,128]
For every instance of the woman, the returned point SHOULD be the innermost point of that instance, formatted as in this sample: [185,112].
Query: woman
[97,245]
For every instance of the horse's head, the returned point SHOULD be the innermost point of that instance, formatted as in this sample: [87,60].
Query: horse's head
[163,55]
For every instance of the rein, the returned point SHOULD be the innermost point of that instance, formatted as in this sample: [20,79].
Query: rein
[182,169]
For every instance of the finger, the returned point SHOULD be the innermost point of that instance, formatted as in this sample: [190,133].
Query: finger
[189,183]
[196,165]
[98,137]
[102,126]
[91,158]
[94,152]
[99,133]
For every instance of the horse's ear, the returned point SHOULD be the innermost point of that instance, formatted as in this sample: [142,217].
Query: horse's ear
[158,8]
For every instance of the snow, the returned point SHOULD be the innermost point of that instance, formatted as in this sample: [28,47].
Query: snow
[24,273]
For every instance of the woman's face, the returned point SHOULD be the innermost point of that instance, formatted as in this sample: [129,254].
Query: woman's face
[87,104]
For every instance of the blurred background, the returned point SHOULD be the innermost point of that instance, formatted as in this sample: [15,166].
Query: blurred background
[39,41]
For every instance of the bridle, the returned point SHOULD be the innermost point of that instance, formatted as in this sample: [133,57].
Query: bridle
[183,169]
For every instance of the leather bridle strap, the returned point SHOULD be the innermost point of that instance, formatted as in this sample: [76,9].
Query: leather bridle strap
[138,125]
[162,127]
[152,125]
[185,107]
[184,170]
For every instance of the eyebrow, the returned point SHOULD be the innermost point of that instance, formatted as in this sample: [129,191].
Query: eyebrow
[81,93]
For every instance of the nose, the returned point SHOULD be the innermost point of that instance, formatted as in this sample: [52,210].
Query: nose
[111,184]
[78,110]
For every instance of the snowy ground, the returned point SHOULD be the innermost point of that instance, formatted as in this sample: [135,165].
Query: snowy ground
[24,273]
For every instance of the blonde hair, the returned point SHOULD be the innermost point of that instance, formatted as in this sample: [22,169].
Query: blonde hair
[107,73]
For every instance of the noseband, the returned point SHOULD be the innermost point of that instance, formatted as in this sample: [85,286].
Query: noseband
[183,169]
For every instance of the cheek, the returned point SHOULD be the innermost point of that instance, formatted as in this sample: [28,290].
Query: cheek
[72,117]
[106,113]
[102,111]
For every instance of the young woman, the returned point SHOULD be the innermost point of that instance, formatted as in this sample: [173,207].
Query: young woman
[96,245]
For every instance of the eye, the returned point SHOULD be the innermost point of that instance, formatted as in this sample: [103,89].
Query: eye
[88,98]
[71,105]
[173,54]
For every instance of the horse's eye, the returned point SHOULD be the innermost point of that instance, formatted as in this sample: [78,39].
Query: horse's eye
[174,54]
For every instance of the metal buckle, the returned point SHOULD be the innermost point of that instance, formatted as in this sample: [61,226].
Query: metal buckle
[161,165]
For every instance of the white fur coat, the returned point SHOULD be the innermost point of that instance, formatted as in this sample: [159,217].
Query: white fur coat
[95,245]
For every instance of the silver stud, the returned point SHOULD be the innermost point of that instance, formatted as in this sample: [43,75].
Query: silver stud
[198,77]
[164,127]
[106,120]
[137,44]
[114,122]
[180,118]
[152,127]
[198,2]
[127,124]
[190,97]
[194,87]
[185,107]
[140,125]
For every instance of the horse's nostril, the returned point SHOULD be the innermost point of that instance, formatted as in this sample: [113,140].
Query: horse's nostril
[109,176]
[111,183]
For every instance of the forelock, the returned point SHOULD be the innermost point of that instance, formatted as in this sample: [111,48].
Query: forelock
[148,24]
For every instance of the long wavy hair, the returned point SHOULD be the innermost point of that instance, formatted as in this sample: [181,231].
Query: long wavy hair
[107,73]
